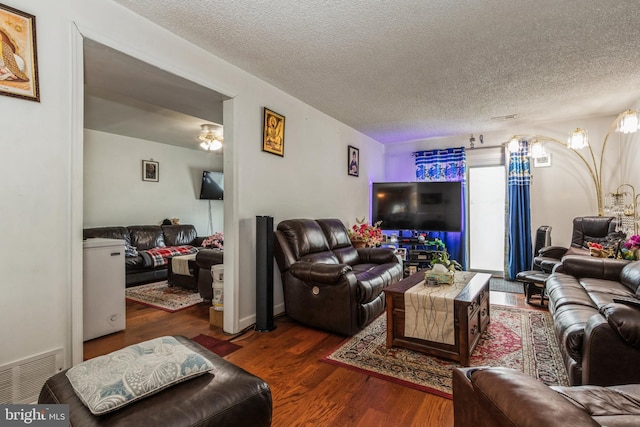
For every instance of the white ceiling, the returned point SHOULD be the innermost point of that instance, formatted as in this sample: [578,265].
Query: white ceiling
[414,69]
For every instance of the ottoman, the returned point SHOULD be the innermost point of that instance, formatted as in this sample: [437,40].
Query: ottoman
[230,397]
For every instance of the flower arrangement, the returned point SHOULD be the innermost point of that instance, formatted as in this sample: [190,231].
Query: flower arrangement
[216,240]
[633,243]
[371,235]
[631,248]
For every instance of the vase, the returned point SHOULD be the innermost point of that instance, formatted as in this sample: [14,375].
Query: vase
[358,244]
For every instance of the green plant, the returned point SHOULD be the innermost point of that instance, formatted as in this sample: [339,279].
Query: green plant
[443,259]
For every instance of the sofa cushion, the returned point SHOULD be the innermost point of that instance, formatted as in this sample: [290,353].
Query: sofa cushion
[630,277]
[624,320]
[347,255]
[177,235]
[145,237]
[121,233]
[372,279]
[563,289]
[304,237]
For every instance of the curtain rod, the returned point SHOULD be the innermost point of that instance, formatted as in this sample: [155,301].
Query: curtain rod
[504,144]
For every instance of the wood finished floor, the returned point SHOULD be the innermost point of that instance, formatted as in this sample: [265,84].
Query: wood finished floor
[306,392]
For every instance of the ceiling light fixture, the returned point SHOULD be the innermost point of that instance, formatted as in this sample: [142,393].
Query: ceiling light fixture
[210,137]
[625,122]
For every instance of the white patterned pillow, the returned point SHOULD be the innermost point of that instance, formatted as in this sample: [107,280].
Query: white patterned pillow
[109,382]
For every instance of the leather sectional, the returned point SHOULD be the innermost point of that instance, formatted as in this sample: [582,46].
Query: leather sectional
[599,338]
[145,237]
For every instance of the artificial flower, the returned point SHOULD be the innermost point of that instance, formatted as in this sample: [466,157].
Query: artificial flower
[633,242]
[216,240]
[370,234]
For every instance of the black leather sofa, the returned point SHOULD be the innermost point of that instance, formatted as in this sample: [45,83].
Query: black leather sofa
[599,338]
[328,284]
[501,397]
[145,237]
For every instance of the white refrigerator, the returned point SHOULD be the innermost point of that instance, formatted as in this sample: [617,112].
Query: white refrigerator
[104,310]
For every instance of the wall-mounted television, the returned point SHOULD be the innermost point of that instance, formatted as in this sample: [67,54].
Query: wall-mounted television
[212,186]
[423,206]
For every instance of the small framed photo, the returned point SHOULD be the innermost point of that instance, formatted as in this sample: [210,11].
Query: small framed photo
[150,171]
[18,57]
[353,161]
[542,161]
[273,133]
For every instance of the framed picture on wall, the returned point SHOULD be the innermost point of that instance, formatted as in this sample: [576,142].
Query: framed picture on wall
[150,171]
[18,58]
[542,161]
[353,161]
[273,133]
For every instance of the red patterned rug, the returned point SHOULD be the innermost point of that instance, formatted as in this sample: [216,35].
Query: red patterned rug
[162,296]
[215,345]
[516,338]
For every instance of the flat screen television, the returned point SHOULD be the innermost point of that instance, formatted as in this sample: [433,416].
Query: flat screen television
[423,206]
[212,186]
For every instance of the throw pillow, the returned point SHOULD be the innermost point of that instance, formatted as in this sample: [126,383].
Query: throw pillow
[112,381]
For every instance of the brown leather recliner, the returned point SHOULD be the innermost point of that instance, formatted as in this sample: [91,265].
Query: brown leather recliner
[595,229]
[500,397]
[328,284]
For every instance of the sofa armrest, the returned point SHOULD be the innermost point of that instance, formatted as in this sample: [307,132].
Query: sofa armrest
[556,252]
[495,397]
[588,266]
[377,255]
[607,358]
[314,272]
[625,320]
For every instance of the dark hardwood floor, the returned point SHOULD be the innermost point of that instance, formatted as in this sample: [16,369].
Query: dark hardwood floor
[305,391]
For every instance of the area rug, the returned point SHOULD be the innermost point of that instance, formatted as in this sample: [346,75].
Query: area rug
[162,296]
[215,345]
[505,285]
[516,338]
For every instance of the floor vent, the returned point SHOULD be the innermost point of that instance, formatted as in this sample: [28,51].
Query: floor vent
[21,381]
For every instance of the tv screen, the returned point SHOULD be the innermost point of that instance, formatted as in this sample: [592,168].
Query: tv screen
[423,206]
[212,186]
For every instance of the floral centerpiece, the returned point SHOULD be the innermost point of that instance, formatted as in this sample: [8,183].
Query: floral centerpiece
[216,240]
[363,234]
[631,248]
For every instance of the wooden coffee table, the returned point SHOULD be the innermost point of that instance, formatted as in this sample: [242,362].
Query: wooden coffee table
[471,317]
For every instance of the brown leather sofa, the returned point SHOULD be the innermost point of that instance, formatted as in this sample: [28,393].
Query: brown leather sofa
[145,237]
[328,284]
[229,397]
[599,338]
[500,397]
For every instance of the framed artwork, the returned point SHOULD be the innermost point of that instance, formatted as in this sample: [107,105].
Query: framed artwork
[543,161]
[273,132]
[353,161]
[18,58]
[150,171]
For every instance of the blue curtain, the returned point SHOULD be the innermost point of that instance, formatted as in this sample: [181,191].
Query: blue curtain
[446,165]
[519,246]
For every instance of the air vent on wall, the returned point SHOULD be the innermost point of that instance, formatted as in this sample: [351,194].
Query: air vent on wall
[21,381]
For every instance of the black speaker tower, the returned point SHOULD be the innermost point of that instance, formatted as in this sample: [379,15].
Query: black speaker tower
[264,274]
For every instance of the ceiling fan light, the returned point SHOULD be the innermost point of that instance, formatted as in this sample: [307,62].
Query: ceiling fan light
[215,145]
[578,139]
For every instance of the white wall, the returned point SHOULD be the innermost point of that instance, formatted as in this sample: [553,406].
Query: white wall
[41,166]
[115,194]
[564,190]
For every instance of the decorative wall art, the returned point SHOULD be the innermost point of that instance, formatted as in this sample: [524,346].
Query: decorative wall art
[353,161]
[273,133]
[18,58]
[150,171]
[542,161]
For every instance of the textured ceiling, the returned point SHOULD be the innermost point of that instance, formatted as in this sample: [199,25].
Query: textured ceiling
[413,69]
